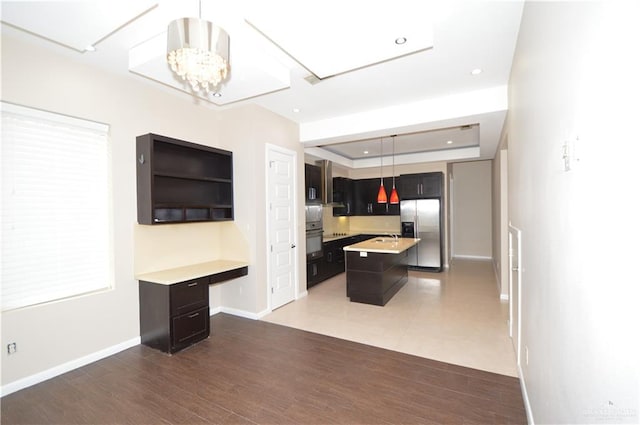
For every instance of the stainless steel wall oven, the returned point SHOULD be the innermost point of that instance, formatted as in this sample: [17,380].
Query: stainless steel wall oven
[314,244]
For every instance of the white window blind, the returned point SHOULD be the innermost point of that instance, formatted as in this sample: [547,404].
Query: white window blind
[55,211]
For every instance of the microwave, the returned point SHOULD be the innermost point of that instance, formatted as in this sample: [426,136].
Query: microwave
[313,216]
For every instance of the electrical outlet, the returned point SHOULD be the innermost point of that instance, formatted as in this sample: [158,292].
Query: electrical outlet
[12,348]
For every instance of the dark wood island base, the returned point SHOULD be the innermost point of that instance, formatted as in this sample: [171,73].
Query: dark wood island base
[376,277]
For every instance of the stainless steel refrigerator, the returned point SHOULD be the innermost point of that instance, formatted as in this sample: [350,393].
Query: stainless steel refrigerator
[422,218]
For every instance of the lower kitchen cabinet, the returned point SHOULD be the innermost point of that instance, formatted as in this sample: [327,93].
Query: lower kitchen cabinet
[332,262]
[315,272]
[333,258]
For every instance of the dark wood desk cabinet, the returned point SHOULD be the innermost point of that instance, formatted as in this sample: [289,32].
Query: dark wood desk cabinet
[174,316]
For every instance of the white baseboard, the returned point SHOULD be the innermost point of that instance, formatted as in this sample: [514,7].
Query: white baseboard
[66,367]
[472,257]
[243,313]
[109,351]
[247,314]
[525,397]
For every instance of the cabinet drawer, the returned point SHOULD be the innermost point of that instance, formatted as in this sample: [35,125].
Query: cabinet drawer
[230,274]
[189,328]
[190,295]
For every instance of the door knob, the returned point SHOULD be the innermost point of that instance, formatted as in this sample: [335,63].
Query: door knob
[293,245]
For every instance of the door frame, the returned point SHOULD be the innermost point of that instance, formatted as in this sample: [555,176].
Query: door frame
[269,148]
[515,302]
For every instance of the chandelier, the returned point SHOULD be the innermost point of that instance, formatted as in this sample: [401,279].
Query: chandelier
[198,52]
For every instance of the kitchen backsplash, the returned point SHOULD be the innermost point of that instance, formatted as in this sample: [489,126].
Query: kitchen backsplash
[359,224]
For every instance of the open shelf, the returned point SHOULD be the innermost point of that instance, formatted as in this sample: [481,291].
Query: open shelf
[180,181]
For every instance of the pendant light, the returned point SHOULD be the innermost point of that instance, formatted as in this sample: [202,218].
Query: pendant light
[382,194]
[393,197]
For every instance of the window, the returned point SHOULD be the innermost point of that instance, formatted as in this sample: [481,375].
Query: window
[55,211]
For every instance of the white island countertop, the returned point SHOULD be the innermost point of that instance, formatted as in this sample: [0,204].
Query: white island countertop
[384,245]
[193,271]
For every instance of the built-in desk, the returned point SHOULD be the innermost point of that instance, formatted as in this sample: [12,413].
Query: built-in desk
[174,303]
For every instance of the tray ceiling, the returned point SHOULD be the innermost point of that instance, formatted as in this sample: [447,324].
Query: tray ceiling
[318,64]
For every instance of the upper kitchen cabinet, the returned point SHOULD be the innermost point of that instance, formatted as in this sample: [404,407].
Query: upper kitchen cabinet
[366,197]
[179,182]
[420,186]
[343,194]
[312,183]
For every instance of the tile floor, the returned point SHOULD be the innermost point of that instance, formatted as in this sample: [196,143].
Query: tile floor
[455,316]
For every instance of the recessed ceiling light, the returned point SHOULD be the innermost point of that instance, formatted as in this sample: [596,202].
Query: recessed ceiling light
[401,40]
[296,110]
[449,142]
[90,48]
[366,152]
[476,71]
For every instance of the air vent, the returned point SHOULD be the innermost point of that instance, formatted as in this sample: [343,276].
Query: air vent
[312,79]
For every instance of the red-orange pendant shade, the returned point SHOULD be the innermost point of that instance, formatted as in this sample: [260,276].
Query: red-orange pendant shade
[394,198]
[382,194]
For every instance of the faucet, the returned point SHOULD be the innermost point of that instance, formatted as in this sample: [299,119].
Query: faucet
[394,236]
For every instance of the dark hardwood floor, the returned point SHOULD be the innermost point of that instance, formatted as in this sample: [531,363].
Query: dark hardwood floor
[256,372]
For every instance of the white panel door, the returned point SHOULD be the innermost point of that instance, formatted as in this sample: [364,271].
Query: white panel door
[282,245]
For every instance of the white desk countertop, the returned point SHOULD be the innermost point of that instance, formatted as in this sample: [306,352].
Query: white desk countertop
[193,271]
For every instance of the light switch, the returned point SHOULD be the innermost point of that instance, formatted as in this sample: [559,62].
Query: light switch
[569,153]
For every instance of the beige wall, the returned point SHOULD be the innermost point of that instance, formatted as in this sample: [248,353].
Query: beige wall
[471,226]
[48,336]
[573,76]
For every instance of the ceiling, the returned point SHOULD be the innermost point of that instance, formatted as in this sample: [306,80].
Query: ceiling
[334,67]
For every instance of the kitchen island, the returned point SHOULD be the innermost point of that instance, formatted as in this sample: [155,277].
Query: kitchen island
[377,269]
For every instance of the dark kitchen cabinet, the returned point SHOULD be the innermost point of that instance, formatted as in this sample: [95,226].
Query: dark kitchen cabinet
[366,192]
[366,197]
[333,257]
[343,194]
[312,183]
[332,263]
[315,272]
[179,182]
[420,186]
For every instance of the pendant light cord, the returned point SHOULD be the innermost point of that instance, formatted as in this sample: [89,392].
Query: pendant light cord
[393,160]
[381,183]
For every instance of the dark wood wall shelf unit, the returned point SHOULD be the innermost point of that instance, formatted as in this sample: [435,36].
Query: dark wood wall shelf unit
[180,182]
[174,313]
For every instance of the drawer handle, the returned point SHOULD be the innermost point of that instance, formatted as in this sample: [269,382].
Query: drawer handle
[191,316]
[191,285]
